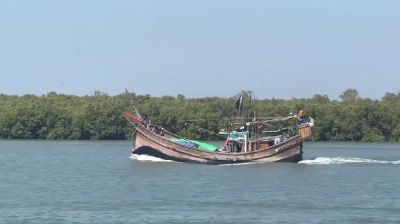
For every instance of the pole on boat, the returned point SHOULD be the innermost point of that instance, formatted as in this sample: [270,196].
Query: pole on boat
[134,109]
[245,142]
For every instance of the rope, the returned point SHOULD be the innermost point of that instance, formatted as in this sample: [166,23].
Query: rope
[204,130]
[275,131]
[134,109]
[269,121]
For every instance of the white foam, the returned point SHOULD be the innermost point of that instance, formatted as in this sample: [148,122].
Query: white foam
[148,158]
[238,164]
[343,160]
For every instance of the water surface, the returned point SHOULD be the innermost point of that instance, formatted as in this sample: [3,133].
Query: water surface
[97,182]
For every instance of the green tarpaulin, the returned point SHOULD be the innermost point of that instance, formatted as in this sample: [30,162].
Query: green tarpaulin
[195,144]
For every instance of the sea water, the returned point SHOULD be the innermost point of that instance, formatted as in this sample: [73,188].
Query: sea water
[100,182]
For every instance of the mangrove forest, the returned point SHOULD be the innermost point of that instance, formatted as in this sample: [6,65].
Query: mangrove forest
[99,116]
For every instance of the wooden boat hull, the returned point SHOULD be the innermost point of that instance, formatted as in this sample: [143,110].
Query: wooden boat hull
[148,143]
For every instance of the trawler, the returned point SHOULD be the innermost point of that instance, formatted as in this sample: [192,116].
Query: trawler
[248,141]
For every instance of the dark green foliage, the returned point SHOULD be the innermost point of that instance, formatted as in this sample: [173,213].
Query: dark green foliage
[60,116]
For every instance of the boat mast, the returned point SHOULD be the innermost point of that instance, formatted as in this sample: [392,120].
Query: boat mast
[134,109]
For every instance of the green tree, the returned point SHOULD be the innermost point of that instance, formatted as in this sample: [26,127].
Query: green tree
[350,95]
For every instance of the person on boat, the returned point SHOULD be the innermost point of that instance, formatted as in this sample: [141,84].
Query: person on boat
[147,122]
[238,146]
[227,145]
[231,146]
[157,129]
[300,117]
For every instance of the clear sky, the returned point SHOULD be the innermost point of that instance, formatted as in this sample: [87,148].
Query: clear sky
[199,48]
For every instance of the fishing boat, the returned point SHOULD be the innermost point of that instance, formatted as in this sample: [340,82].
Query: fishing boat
[248,142]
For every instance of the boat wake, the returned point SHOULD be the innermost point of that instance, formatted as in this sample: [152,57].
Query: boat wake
[315,161]
[343,160]
[148,158]
[238,164]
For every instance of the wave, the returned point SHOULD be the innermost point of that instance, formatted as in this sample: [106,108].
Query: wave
[239,164]
[315,161]
[148,158]
[344,160]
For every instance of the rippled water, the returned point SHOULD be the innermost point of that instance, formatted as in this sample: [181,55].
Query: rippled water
[99,182]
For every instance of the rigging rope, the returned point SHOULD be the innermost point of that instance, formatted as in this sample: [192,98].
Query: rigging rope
[204,130]
[269,121]
[275,131]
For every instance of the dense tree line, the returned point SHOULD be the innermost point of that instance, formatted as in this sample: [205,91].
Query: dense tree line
[60,116]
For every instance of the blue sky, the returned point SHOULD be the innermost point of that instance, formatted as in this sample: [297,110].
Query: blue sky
[278,49]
